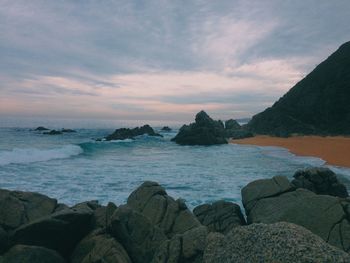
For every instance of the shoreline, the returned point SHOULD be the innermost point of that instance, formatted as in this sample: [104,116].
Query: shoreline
[333,150]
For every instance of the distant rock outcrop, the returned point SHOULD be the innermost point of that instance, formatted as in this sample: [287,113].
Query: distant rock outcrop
[318,104]
[204,131]
[68,131]
[166,129]
[41,128]
[126,133]
[53,132]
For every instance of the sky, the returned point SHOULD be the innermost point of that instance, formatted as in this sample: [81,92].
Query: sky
[160,60]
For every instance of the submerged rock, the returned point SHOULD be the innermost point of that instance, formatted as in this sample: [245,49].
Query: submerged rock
[68,131]
[126,133]
[204,131]
[221,216]
[280,242]
[320,181]
[53,132]
[31,254]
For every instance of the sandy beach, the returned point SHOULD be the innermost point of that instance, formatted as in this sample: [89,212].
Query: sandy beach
[334,150]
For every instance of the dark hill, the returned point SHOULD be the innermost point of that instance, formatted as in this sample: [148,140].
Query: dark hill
[318,104]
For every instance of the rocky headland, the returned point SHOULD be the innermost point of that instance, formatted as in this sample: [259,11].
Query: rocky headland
[303,220]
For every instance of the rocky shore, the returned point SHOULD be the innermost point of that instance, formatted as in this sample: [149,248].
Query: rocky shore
[303,220]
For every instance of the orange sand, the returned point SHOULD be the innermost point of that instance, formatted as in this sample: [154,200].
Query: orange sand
[334,150]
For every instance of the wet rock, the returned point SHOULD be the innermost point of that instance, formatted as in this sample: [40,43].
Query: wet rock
[320,181]
[126,133]
[263,188]
[68,131]
[221,216]
[187,247]
[136,233]
[17,208]
[280,242]
[204,131]
[31,254]
[60,231]
[99,247]
[173,217]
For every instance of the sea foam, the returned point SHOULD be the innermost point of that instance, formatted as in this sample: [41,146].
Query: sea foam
[31,155]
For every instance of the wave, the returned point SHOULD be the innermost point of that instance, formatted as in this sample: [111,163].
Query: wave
[31,155]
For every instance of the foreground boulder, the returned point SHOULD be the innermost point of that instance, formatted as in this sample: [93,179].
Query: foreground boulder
[182,248]
[99,247]
[280,242]
[126,133]
[60,231]
[204,131]
[267,201]
[173,217]
[17,208]
[220,216]
[320,181]
[136,233]
[31,254]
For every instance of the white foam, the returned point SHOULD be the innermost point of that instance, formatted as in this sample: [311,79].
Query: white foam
[30,155]
[122,141]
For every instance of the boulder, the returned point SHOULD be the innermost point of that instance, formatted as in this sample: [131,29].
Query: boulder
[99,247]
[221,216]
[321,214]
[320,181]
[204,131]
[126,133]
[103,214]
[136,233]
[4,240]
[17,208]
[238,134]
[279,242]
[31,254]
[263,188]
[53,132]
[60,231]
[182,248]
[173,217]
[41,128]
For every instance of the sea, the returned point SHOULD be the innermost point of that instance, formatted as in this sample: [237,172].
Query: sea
[74,167]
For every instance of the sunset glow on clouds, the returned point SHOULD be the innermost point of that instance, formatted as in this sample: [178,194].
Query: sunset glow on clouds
[158,59]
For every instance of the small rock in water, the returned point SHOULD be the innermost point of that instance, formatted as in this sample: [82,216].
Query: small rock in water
[53,132]
[41,128]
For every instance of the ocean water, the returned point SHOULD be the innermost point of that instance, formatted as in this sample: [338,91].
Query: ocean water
[74,167]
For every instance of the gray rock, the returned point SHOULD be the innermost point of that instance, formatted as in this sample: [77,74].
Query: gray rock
[60,231]
[263,188]
[173,217]
[221,216]
[99,247]
[31,254]
[103,214]
[136,233]
[320,180]
[17,208]
[275,243]
[318,213]
[181,248]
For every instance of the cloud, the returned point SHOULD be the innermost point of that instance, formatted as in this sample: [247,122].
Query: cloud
[160,59]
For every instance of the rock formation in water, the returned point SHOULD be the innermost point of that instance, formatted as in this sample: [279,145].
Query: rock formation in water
[285,223]
[166,129]
[41,128]
[126,133]
[318,104]
[53,132]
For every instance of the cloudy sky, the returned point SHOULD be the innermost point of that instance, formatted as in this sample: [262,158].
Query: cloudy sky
[160,60]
